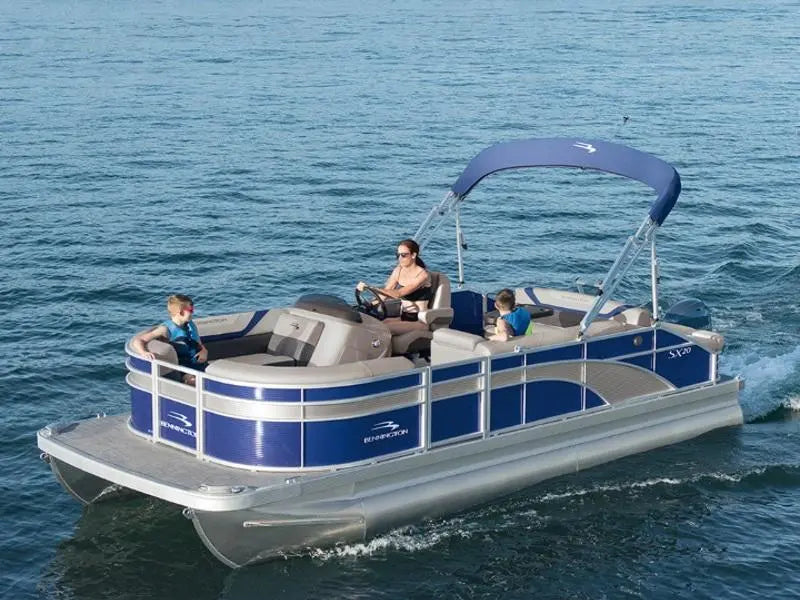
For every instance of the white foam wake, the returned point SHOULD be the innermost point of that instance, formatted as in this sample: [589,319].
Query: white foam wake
[407,539]
[793,403]
[761,373]
[499,516]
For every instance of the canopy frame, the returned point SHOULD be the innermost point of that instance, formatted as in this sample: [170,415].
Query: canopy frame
[568,152]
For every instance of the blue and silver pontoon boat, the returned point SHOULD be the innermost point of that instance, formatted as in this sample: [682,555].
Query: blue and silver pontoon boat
[313,426]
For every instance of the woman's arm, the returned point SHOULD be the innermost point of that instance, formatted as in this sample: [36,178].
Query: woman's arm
[391,282]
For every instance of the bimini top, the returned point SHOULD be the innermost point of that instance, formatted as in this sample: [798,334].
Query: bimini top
[585,154]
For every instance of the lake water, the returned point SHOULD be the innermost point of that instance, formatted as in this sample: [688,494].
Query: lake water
[248,152]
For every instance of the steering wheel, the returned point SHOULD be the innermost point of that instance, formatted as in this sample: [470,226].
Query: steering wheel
[376,307]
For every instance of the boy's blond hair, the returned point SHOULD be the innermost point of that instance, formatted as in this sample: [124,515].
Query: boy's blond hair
[505,299]
[177,302]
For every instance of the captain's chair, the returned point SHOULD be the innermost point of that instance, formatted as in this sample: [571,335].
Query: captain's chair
[438,315]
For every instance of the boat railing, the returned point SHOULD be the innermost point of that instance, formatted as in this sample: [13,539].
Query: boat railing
[296,427]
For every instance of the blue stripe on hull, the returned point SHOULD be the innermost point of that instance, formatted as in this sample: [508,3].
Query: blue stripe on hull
[574,352]
[362,389]
[509,362]
[645,361]
[447,373]
[247,392]
[666,338]
[620,346]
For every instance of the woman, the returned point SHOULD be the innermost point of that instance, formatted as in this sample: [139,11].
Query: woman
[411,282]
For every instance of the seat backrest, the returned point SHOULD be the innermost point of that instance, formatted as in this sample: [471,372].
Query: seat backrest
[295,336]
[440,284]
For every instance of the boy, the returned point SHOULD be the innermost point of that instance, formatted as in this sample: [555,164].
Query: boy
[513,320]
[182,335]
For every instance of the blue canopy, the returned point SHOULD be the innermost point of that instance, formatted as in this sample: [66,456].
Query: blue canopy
[585,154]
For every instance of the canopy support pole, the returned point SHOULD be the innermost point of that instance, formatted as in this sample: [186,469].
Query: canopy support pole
[655,277]
[435,218]
[632,248]
[460,245]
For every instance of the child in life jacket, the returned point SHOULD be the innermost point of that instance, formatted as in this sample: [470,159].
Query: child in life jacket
[181,333]
[513,320]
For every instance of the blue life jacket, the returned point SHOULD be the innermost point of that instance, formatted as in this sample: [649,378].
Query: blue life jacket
[186,341]
[518,319]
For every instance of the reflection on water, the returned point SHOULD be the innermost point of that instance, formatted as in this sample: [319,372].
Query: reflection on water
[138,548]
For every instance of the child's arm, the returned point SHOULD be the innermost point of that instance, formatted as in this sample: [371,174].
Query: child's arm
[503,331]
[140,341]
[202,356]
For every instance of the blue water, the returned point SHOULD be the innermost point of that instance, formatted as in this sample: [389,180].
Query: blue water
[248,152]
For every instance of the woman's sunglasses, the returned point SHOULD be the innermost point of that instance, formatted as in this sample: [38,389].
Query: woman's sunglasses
[403,254]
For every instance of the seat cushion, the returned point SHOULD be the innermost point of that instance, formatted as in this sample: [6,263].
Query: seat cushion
[265,360]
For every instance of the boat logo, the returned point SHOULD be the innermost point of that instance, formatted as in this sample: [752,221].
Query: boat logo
[584,146]
[387,429]
[390,425]
[182,419]
[185,426]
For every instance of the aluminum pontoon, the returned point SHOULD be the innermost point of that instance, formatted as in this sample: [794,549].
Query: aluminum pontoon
[312,427]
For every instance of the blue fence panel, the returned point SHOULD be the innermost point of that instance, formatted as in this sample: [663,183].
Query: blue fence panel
[177,423]
[506,407]
[621,345]
[546,399]
[593,400]
[254,443]
[142,411]
[454,417]
[361,438]
[684,366]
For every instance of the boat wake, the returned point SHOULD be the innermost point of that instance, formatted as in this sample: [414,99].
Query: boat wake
[406,539]
[770,382]
[793,403]
[535,512]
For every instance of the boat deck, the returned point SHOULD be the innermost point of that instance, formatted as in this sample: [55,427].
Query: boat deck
[106,448]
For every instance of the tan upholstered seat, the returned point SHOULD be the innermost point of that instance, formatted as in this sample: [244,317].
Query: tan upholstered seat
[437,316]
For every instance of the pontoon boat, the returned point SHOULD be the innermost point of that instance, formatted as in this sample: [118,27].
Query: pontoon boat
[313,426]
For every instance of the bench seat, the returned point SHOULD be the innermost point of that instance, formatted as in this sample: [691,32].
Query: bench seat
[451,345]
